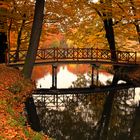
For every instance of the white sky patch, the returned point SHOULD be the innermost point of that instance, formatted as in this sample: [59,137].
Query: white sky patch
[94,1]
[64,79]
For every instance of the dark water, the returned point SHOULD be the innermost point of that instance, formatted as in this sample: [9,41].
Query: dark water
[113,115]
[89,117]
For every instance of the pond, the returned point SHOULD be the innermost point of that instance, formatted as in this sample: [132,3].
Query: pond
[98,116]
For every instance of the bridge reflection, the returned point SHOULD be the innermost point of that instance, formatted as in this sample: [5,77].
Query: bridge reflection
[87,116]
[60,97]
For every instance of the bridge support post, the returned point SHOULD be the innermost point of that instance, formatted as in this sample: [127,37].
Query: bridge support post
[92,76]
[54,76]
[97,74]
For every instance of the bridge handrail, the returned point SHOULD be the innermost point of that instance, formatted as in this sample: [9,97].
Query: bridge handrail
[57,54]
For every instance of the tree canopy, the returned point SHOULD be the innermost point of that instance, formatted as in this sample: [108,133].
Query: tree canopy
[100,24]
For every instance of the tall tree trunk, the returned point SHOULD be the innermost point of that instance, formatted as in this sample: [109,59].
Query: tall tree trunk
[32,116]
[3,47]
[102,131]
[19,38]
[137,25]
[108,25]
[34,40]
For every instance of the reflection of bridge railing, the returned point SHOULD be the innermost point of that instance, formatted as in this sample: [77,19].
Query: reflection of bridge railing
[54,98]
[74,55]
[95,89]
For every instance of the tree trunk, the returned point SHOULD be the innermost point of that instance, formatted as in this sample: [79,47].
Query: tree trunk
[102,131]
[138,30]
[3,47]
[108,25]
[34,40]
[136,22]
[32,116]
[19,39]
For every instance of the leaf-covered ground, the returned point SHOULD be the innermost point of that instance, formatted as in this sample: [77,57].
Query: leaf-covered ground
[14,89]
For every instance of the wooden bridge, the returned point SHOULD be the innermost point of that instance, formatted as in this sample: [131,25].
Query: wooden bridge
[74,55]
[56,56]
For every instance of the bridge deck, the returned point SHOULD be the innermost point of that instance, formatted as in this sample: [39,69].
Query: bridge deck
[74,55]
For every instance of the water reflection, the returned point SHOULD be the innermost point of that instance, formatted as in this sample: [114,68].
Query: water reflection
[107,116]
[89,117]
[65,78]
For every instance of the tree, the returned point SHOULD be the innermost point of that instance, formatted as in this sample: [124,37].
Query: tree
[136,19]
[20,19]
[34,40]
[3,35]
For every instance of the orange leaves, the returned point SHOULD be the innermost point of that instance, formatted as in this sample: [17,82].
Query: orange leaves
[13,92]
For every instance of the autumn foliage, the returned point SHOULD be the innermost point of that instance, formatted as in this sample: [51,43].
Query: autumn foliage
[13,92]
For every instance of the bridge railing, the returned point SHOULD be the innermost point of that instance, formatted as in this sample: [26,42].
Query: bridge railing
[75,54]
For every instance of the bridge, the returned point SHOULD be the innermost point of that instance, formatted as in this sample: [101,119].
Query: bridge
[92,56]
[74,55]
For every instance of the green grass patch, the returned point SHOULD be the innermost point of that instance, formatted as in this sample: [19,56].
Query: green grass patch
[12,122]
[26,132]
[38,136]
[10,110]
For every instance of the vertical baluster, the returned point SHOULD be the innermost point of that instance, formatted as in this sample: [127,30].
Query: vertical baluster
[128,58]
[57,52]
[53,53]
[44,54]
[57,101]
[67,53]
[97,54]
[91,53]
[77,53]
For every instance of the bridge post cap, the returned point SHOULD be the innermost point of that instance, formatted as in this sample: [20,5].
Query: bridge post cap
[54,64]
[96,65]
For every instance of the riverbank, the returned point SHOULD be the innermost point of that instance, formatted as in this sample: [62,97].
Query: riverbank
[130,74]
[14,90]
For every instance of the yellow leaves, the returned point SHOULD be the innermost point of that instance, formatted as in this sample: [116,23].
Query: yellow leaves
[67,1]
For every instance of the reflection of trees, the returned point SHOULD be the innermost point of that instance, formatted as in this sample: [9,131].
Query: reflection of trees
[82,81]
[117,116]
[103,116]
[67,124]
[121,115]
[135,126]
